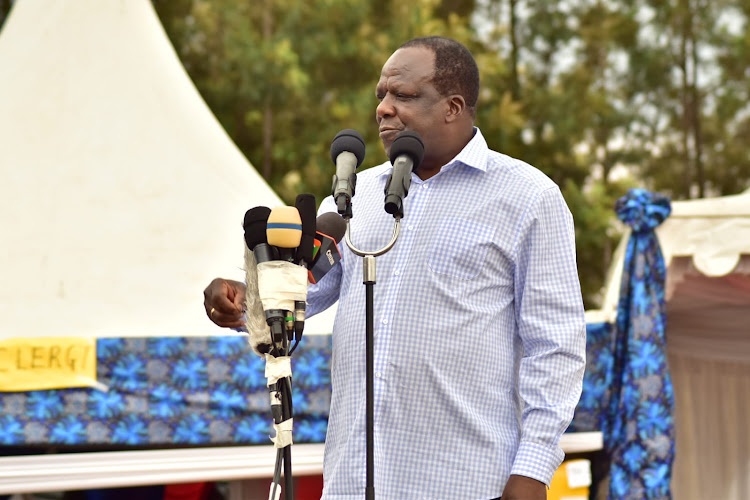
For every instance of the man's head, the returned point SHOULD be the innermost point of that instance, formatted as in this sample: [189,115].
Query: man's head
[429,85]
[456,70]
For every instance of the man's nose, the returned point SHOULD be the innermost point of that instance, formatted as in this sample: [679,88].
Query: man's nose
[385,109]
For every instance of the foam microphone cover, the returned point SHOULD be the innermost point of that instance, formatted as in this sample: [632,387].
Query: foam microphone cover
[408,143]
[332,224]
[348,140]
[305,204]
[284,227]
[331,228]
[255,226]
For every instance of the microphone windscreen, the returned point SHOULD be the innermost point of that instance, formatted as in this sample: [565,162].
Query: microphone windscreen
[408,143]
[284,227]
[332,224]
[351,141]
[255,226]
[326,258]
[305,204]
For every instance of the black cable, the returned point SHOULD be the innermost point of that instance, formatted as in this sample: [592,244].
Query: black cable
[296,343]
[285,386]
[277,471]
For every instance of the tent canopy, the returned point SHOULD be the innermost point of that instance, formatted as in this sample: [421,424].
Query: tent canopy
[122,196]
[703,241]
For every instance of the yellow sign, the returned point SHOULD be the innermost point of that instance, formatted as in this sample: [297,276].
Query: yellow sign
[571,481]
[38,363]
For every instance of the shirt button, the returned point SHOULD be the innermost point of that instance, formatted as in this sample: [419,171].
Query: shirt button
[379,374]
[385,321]
[410,228]
[397,273]
[424,186]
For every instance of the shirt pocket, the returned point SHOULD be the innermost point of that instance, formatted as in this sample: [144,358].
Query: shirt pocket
[461,248]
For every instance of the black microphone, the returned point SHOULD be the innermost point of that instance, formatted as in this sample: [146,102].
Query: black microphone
[255,234]
[347,152]
[407,152]
[284,232]
[256,240]
[331,228]
[306,206]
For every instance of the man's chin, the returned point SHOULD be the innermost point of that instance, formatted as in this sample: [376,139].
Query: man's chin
[387,148]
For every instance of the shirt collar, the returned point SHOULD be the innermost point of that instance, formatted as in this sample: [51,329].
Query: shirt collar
[473,155]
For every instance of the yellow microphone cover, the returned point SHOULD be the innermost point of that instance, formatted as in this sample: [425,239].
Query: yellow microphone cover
[284,227]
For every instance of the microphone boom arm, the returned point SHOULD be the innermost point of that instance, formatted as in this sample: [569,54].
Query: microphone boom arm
[368,273]
[376,253]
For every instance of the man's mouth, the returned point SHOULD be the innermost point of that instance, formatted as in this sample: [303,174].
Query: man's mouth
[388,133]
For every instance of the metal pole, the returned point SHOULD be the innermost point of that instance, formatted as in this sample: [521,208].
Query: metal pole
[369,282]
[368,278]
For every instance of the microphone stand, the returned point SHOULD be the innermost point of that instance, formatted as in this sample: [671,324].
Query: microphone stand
[368,279]
[283,398]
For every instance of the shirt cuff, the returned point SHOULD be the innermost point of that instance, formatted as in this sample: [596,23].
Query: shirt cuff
[537,461]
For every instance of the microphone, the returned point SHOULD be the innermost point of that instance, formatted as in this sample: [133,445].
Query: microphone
[281,283]
[331,228]
[284,231]
[255,233]
[305,204]
[257,251]
[407,152]
[347,152]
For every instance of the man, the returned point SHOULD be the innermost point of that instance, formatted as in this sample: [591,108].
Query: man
[479,331]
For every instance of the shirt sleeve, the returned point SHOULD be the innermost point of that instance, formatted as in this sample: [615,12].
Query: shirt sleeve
[552,330]
[325,293]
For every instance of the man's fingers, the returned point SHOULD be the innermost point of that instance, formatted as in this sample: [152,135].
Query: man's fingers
[227,320]
[239,302]
[237,294]
[219,295]
[224,302]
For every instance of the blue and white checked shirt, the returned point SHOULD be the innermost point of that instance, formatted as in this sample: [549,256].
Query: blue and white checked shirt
[479,333]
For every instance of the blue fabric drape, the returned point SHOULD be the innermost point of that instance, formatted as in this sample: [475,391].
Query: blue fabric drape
[172,391]
[638,428]
[591,411]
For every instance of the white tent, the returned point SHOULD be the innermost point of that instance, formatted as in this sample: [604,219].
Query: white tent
[121,198]
[706,247]
[121,195]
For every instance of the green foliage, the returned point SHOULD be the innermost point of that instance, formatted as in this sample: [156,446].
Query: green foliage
[5,6]
[583,89]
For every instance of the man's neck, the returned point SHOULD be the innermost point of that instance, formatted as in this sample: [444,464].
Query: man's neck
[431,168]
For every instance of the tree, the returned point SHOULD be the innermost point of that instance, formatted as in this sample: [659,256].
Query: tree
[582,89]
[5,6]
[681,70]
[555,104]
[284,77]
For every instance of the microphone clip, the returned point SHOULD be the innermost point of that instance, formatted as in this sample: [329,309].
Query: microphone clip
[342,198]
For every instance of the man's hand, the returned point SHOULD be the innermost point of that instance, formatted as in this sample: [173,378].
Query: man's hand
[524,488]
[224,301]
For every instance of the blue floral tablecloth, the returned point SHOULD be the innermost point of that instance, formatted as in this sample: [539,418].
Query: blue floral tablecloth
[172,391]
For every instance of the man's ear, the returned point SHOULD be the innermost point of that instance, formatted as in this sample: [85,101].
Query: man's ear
[456,108]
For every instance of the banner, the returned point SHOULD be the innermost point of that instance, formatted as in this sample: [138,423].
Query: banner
[39,363]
